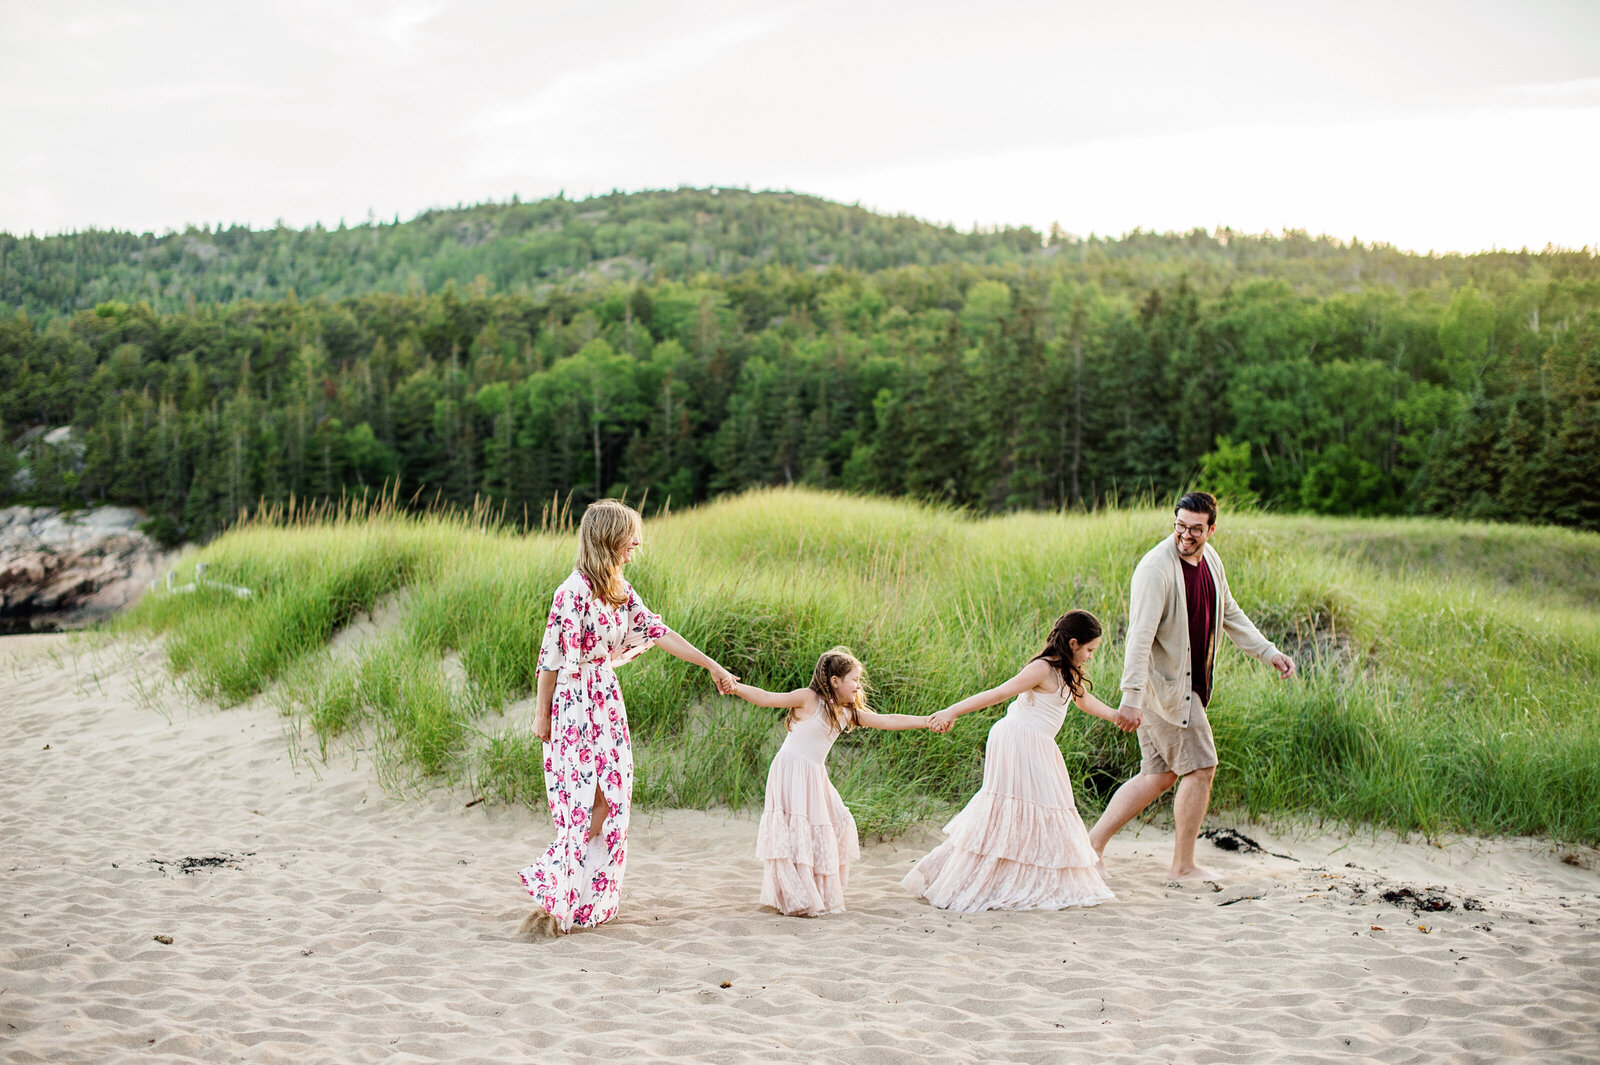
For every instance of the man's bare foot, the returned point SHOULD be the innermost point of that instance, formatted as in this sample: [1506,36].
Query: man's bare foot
[1192,875]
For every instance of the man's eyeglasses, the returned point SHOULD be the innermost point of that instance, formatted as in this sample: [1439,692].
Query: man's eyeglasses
[1192,530]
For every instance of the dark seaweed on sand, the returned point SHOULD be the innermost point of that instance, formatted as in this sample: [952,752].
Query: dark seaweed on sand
[1420,901]
[1228,839]
[189,865]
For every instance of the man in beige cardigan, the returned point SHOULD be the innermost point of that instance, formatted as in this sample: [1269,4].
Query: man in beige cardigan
[1178,602]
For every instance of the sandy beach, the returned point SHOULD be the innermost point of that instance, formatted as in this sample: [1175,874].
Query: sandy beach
[175,887]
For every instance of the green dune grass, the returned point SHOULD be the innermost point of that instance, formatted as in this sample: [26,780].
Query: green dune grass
[1448,670]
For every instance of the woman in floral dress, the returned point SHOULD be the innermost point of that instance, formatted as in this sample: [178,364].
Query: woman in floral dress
[597,621]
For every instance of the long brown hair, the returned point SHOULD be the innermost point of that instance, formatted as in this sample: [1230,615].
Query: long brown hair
[836,662]
[608,528]
[1077,625]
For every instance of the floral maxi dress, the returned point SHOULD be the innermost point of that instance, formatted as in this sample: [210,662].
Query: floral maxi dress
[577,882]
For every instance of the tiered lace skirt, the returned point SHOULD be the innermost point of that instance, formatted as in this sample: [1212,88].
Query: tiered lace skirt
[1019,844]
[806,841]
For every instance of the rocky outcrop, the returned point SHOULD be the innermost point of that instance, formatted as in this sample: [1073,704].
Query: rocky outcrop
[62,570]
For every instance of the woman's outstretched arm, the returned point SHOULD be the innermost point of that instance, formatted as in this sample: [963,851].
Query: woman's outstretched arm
[678,647]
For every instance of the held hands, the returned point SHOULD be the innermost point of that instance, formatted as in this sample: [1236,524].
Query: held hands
[942,721]
[726,682]
[1128,718]
[1284,665]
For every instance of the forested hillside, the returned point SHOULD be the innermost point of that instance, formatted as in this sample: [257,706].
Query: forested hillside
[676,235]
[512,247]
[692,343]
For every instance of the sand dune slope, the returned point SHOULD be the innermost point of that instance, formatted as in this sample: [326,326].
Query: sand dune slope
[313,918]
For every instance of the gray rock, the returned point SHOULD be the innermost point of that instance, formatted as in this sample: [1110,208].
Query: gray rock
[66,570]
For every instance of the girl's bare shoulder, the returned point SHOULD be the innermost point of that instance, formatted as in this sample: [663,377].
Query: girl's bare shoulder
[808,708]
[1046,680]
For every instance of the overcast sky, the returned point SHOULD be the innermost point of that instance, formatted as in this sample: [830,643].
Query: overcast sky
[1428,124]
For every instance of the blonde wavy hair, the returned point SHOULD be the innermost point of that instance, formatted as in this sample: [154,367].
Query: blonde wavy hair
[608,528]
[836,662]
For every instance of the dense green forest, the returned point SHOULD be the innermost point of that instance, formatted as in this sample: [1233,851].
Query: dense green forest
[691,343]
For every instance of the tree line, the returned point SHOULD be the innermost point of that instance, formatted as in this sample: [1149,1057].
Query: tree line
[1035,383]
[675,235]
[513,246]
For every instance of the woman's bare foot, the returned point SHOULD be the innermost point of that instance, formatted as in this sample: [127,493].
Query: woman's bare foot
[1192,875]
[540,923]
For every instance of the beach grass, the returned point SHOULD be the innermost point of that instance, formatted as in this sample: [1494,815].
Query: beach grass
[1446,684]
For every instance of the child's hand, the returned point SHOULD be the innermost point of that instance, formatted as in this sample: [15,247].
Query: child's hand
[942,721]
[727,683]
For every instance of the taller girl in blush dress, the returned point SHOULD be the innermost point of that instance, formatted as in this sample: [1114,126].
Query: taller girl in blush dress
[1020,844]
[597,622]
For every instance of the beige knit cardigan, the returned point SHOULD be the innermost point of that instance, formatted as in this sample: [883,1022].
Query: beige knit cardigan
[1156,663]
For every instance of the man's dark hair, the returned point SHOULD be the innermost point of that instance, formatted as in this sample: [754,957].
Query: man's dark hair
[1199,503]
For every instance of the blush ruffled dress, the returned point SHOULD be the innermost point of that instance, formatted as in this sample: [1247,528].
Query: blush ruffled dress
[807,838]
[1019,844]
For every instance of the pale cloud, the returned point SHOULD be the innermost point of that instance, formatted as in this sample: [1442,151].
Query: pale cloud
[188,92]
[400,24]
[89,24]
[1442,183]
[524,135]
[1429,124]
[1577,93]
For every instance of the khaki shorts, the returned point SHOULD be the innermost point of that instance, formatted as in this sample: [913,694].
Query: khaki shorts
[1167,748]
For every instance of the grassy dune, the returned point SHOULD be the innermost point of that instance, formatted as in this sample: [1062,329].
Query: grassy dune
[1449,670]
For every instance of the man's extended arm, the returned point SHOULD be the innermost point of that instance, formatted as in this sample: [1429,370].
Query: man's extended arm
[1247,638]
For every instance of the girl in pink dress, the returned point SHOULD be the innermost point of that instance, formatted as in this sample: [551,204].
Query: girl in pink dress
[596,622]
[807,838]
[1020,844]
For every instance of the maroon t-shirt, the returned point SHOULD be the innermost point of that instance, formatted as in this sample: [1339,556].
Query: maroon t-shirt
[1200,592]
